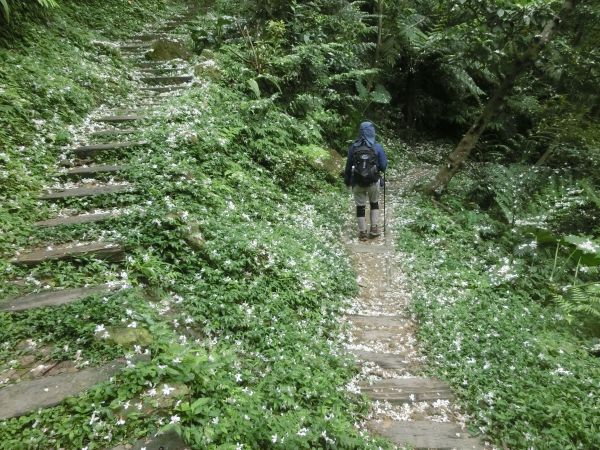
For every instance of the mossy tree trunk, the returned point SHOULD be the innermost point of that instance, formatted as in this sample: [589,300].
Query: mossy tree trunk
[468,142]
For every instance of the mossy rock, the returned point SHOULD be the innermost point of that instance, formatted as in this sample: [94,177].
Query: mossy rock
[128,337]
[325,159]
[165,50]
[208,69]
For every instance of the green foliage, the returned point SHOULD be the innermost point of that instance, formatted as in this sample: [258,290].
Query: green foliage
[513,361]
[8,5]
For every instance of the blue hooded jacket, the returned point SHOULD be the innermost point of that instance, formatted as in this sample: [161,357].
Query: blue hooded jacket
[367,137]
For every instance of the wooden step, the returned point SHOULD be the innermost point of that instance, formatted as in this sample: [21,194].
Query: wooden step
[407,390]
[85,191]
[94,149]
[384,360]
[149,37]
[169,440]
[175,79]
[95,168]
[100,250]
[421,435]
[77,220]
[369,248]
[135,46]
[160,70]
[387,322]
[163,88]
[54,298]
[121,119]
[29,396]
[114,132]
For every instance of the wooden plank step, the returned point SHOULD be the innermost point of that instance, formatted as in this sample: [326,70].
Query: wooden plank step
[85,191]
[29,396]
[121,119]
[115,132]
[161,70]
[95,168]
[94,149]
[166,441]
[76,220]
[53,298]
[155,64]
[387,322]
[168,79]
[162,88]
[149,37]
[421,435]
[133,46]
[100,250]
[384,360]
[368,248]
[407,390]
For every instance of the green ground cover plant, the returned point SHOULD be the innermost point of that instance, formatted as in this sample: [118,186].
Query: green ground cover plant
[237,273]
[488,318]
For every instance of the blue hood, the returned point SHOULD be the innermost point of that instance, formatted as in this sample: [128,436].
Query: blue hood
[366,134]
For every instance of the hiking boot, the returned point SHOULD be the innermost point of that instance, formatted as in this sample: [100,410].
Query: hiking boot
[363,236]
[375,231]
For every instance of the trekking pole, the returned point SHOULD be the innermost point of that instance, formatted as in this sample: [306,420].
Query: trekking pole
[384,222]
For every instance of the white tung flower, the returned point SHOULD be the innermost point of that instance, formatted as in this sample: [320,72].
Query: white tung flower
[166,390]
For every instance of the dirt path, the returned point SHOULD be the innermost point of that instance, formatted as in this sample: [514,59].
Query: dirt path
[410,410]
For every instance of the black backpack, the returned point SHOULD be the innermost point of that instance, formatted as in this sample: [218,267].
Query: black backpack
[365,168]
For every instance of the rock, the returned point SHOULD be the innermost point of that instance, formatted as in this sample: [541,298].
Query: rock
[127,337]
[165,50]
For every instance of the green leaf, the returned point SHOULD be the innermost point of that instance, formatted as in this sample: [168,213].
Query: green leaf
[5,9]
[254,87]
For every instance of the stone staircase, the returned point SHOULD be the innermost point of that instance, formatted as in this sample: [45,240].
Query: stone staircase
[110,135]
[412,411]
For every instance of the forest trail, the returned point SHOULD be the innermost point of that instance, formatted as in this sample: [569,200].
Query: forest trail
[408,409]
[96,165]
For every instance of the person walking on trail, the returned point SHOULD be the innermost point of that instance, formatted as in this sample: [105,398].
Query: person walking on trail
[366,159]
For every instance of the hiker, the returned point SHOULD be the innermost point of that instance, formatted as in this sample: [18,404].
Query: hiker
[366,159]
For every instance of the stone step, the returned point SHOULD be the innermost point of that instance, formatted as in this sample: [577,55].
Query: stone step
[166,441]
[53,298]
[384,360]
[163,88]
[100,250]
[108,133]
[29,396]
[77,220]
[87,191]
[121,118]
[387,322]
[94,169]
[421,435]
[407,390]
[94,149]
[168,79]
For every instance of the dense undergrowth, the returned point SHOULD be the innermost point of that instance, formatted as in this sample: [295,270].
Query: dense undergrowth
[234,282]
[491,319]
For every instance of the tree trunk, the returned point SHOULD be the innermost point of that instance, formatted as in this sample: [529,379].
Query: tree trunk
[468,142]
[379,31]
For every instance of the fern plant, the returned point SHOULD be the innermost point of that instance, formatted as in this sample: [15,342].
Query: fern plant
[8,5]
[579,301]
